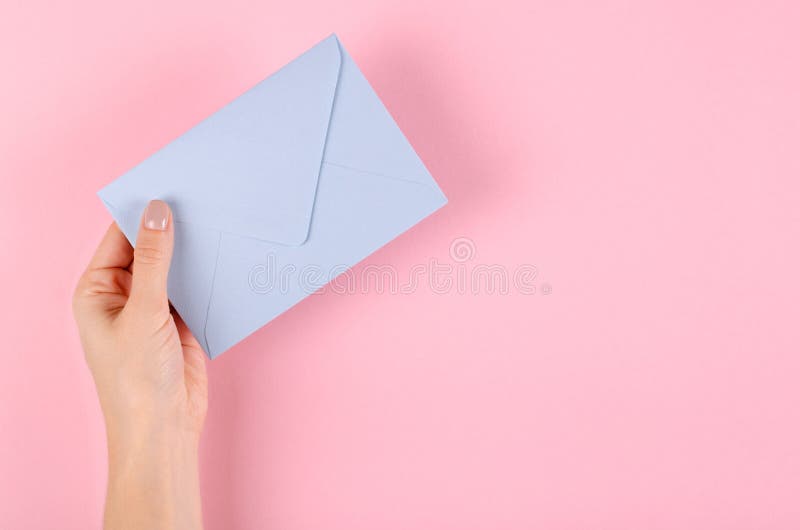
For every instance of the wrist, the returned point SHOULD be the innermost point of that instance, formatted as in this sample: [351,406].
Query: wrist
[154,473]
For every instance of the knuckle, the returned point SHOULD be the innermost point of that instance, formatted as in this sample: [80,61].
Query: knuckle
[91,283]
[95,280]
[148,254]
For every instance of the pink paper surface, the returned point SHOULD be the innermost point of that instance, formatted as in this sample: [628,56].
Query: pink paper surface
[642,156]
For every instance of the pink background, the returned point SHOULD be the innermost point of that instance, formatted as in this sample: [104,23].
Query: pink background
[642,155]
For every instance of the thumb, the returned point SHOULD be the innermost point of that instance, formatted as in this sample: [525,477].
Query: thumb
[151,258]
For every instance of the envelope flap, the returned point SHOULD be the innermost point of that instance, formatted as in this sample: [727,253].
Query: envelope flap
[252,167]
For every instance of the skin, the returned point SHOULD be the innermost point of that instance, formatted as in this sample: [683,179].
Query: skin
[150,376]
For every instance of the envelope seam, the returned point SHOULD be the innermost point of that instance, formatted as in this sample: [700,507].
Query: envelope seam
[382,175]
[211,296]
[327,136]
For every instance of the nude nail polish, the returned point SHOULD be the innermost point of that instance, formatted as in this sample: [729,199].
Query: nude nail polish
[156,215]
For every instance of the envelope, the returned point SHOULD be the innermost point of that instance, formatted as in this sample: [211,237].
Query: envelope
[277,193]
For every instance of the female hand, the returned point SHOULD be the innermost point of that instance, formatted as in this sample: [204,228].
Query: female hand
[150,377]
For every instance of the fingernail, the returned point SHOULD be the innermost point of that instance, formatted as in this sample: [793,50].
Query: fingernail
[156,215]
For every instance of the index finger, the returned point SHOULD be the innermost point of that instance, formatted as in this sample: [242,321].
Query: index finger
[114,251]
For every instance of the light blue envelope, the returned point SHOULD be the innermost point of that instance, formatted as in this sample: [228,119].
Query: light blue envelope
[287,186]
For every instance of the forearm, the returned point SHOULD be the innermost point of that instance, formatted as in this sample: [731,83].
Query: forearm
[150,375]
[153,481]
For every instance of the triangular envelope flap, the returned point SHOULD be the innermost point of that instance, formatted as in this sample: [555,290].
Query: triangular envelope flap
[252,167]
[363,135]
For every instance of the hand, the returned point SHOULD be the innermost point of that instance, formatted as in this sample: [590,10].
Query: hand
[150,376]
